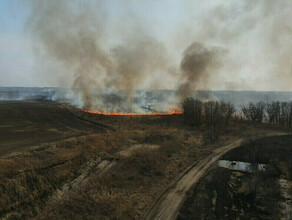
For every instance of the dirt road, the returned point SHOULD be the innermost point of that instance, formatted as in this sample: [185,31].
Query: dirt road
[167,206]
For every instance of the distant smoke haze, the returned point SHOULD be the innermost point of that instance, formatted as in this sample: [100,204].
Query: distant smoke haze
[74,38]
[256,35]
[228,44]
[137,61]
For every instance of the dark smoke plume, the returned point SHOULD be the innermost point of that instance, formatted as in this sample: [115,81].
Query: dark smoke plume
[198,62]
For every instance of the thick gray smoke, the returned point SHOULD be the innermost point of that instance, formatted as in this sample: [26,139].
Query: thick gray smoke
[75,36]
[198,62]
[72,37]
[136,62]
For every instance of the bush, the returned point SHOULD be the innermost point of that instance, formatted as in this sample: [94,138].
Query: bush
[212,134]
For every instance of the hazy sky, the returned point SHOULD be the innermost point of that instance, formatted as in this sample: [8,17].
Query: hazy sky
[255,34]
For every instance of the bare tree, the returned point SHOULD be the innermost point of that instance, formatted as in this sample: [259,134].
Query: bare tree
[273,112]
[193,111]
[227,110]
[209,108]
[213,113]
[254,112]
[217,116]
[286,113]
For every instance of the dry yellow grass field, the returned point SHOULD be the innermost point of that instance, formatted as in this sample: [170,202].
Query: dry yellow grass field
[114,172]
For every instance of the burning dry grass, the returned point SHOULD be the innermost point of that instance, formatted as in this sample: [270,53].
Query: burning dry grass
[131,123]
[173,112]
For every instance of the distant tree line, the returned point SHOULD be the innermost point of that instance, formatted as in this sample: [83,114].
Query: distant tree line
[211,113]
[214,115]
[275,113]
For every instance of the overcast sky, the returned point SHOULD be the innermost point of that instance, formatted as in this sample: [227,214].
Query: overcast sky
[256,37]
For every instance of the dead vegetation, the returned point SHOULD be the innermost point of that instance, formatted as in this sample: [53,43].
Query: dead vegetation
[226,194]
[230,194]
[193,111]
[254,112]
[275,113]
[124,190]
[215,116]
[30,179]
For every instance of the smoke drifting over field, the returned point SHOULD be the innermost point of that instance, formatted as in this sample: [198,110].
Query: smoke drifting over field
[135,63]
[197,63]
[225,45]
[255,34]
[75,37]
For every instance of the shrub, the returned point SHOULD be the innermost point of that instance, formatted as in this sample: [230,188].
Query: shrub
[212,134]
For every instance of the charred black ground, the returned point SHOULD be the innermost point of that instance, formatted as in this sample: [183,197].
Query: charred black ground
[26,123]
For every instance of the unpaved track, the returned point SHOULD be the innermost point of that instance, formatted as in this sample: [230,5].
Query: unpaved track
[167,206]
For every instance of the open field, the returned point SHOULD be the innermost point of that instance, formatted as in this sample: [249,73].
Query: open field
[27,123]
[114,168]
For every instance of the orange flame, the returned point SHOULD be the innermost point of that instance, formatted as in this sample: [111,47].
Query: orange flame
[174,112]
